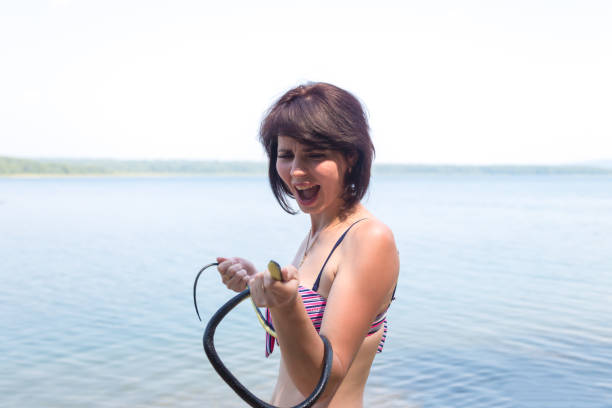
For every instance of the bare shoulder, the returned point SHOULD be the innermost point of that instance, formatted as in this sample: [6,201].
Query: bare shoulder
[370,263]
[372,245]
[372,233]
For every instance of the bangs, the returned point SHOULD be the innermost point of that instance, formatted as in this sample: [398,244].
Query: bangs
[302,119]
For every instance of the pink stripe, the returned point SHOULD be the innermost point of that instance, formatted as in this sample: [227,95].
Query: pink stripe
[315,308]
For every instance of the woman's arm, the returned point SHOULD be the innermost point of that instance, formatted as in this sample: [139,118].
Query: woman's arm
[363,285]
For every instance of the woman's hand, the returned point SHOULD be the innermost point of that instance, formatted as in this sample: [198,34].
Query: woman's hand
[267,292]
[235,272]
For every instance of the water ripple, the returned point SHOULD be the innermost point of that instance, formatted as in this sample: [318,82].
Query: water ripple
[503,300]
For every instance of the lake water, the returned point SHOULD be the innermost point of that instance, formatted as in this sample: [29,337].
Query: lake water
[504,298]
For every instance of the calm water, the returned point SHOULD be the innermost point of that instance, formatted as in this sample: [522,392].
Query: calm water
[504,299]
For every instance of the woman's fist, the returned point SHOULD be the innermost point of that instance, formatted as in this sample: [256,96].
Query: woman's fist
[235,272]
[267,292]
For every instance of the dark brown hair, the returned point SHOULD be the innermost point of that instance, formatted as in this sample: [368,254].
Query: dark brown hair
[326,117]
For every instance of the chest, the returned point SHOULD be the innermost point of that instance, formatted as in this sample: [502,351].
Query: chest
[320,266]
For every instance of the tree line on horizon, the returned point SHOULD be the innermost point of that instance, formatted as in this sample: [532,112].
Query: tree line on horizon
[17,166]
[10,166]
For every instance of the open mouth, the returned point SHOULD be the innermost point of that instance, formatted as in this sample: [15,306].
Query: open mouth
[308,195]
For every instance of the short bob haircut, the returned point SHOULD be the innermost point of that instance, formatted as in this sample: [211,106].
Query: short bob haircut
[324,116]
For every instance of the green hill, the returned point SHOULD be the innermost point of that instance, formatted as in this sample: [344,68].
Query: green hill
[10,166]
[79,167]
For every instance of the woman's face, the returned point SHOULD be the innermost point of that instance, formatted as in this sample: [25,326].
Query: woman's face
[314,177]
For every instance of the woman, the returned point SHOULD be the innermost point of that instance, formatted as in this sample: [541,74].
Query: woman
[343,276]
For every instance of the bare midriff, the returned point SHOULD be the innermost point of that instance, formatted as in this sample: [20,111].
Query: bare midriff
[349,393]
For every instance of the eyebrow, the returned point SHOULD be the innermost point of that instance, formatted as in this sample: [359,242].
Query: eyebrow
[307,150]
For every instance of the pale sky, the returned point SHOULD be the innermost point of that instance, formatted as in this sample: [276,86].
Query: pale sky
[465,82]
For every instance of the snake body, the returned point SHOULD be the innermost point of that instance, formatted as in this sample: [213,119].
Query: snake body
[226,375]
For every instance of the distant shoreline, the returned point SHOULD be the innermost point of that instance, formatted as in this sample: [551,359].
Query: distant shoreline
[122,175]
[44,168]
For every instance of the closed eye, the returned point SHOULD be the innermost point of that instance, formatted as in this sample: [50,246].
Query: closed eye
[284,153]
[316,155]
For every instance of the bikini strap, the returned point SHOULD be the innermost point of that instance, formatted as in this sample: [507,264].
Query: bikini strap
[315,287]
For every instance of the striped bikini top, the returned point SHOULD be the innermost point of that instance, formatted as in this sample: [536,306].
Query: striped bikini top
[315,305]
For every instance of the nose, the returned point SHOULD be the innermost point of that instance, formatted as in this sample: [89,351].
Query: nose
[297,168]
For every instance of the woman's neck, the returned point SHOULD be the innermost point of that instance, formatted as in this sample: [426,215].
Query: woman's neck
[325,220]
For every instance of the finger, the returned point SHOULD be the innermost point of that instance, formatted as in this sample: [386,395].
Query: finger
[268,280]
[237,281]
[251,284]
[221,259]
[245,282]
[247,265]
[232,269]
[222,267]
[289,272]
[257,289]
[225,275]
[231,272]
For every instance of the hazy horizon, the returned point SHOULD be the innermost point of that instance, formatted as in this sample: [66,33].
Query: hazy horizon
[596,162]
